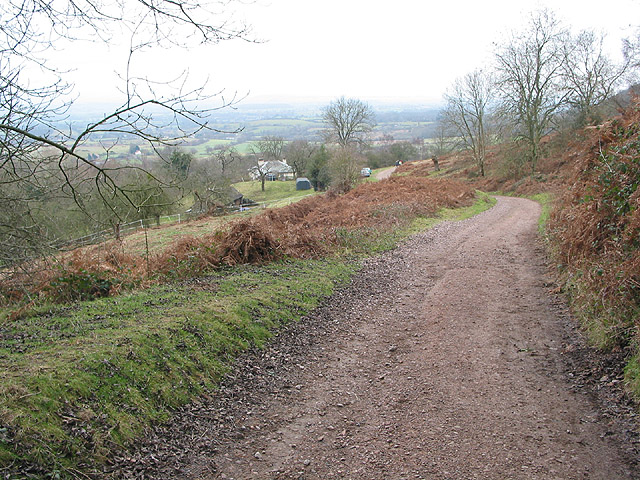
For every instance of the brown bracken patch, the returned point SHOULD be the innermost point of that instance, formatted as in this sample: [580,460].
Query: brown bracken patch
[305,229]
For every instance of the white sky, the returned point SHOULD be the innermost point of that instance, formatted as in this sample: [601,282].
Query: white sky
[367,49]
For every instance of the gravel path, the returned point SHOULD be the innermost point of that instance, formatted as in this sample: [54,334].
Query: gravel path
[448,358]
[384,174]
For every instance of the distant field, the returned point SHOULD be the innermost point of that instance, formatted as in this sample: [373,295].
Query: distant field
[252,130]
[101,148]
[201,149]
[243,148]
[285,122]
[287,128]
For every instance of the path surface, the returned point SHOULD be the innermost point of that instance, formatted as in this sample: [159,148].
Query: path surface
[446,359]
[386,173]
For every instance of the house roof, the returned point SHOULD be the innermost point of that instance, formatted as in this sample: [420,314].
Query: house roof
[274,166]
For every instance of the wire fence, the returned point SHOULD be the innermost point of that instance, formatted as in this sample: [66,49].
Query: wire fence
[121,230]
[125,229]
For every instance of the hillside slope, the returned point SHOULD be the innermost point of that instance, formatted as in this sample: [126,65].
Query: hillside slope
[595,232]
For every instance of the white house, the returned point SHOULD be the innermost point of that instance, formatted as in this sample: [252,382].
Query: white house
[272,170]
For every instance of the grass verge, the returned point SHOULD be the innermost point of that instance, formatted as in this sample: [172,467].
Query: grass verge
[484,201]
[79,380]
[545,201]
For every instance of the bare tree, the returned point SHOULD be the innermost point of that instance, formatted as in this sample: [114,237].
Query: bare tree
[298,154]
[265,151]
[530,77]
[37,148]
[418,143]
[344,168]
[261,170]
[469,105]
[225,157]
[443,141]
[349,121]
[631,52]
[591,76]
[269,147]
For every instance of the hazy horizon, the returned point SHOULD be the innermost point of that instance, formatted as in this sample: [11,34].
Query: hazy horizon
[281,102]
[407,52]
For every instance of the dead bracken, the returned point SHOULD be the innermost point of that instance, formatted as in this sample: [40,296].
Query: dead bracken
[309,228]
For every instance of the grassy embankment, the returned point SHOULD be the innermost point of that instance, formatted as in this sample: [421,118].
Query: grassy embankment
[546,203]
[80,380]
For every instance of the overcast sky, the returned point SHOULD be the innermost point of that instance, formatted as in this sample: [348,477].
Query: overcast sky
[412,49]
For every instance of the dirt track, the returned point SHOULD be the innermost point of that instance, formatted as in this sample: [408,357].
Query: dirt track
[384,174]
[446,359]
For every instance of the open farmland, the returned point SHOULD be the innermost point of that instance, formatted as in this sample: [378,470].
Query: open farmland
[244,126]
[278,192]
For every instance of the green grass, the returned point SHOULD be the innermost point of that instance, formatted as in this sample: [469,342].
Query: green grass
[201,149]
[484,201]
[545,201]
[99,149]
[632,376]
[243,148]
[110,367]
[276,193]
[608,325]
